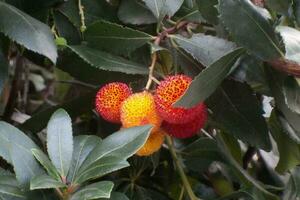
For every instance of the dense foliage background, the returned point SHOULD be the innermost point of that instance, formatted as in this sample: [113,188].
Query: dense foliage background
[245,59]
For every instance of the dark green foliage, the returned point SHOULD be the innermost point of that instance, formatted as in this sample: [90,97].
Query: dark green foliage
[245,63]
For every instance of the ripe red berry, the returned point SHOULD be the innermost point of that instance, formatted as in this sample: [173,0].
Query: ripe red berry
[188,129]
[109,100]
[168,92]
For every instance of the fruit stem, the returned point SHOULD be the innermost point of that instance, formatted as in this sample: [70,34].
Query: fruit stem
[182,174]
[82,17]
[152,66]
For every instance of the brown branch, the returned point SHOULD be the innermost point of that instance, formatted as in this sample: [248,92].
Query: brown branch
[15,88]
[287,66]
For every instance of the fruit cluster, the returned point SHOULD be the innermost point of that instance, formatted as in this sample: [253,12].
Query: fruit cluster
[116,103]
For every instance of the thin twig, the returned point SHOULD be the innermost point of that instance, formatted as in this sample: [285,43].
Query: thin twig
[82,17]
[182,174]
[77,83]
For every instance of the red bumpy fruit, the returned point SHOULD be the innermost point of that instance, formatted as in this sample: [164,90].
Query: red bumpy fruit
[167,93]
[109,100]
[188,129]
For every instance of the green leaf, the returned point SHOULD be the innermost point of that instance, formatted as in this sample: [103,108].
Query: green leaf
[291,91]
[209,79]
[281,6]
[45,182]
[115,38]
[60,141]
[3,71]
[83,145]
[100,168]
[200,154]
[66,28]
[106,61]
[74,107]
[95,10]
[94,191]
[296,9]
[291,119]
[243,175]
[78,68]
[117,196]
[208,10]
[15,148]
[27,31]
[291,39]
[205,48]
[160,8]
[46,163]
[135,12]
[7,178]
[256,33]
[289,151]
[237,111]
[123,143]
[11,191]
[292,190]
[250,70]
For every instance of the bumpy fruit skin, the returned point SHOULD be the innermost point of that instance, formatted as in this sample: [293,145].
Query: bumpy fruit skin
[153,144]
[139,109]
[167,93]
[109,100]
[188,129]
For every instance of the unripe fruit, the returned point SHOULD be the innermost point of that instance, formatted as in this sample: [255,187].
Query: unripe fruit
[167,93]
[188,129]
[109,100]
[153,144]
[139,109]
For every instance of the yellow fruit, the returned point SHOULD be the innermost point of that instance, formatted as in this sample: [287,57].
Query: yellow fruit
[153,144]
[139,109]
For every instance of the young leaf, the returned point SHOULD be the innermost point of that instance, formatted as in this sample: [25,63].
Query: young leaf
[123,143]
[250,28]
[27,31]
[106,61]
[237,111]
[115,38]
[209,79]
[16,147]
[45,182]
[205,48]
[60,141]
[83,145]
[94,191]
[46,163]
[134,12]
